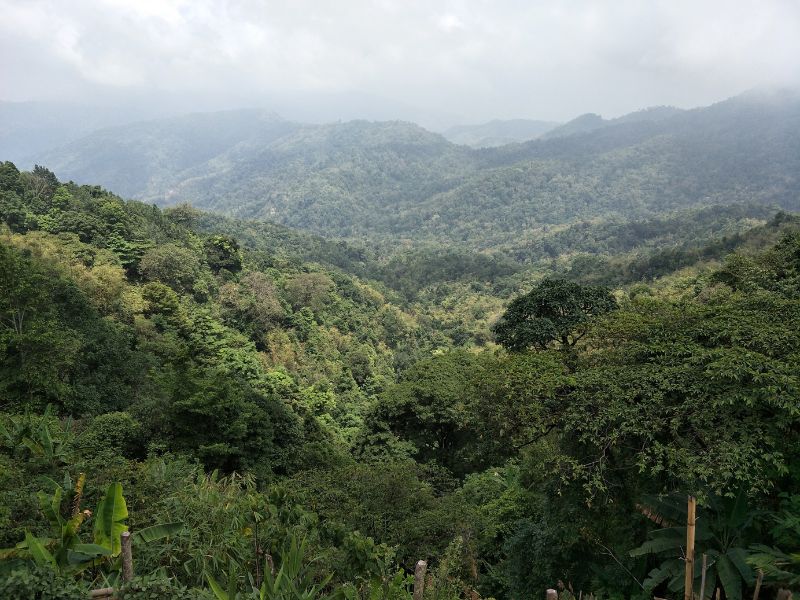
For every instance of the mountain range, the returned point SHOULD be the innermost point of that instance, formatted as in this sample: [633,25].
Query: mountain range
[394,180]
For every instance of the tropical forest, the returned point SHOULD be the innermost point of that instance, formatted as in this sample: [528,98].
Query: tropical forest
[244,356]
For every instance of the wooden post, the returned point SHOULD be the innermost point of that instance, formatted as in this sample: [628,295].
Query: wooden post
[703,577]
[419,579]
[688,593]
[271,564]
[758,584]
[127,557]
[552,594]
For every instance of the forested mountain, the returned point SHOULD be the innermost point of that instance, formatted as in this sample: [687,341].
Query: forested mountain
[592,122]
[396,181]
[246,398]
[498,133]
[145,159]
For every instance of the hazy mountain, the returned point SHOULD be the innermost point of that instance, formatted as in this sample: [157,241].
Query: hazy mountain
[592,122]
[231,161]
[145,159]
[498,133]
[398,180]
[29,128]
[330,177]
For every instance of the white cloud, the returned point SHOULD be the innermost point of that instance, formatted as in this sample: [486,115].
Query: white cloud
[449,23]
[480,58]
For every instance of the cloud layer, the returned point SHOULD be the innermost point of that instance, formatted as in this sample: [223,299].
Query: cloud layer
[477,59]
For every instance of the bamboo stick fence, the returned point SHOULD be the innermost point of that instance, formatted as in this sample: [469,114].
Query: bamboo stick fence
[127,569]
[550,594]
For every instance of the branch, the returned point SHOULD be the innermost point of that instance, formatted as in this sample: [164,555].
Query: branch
[611,554]
[537,438]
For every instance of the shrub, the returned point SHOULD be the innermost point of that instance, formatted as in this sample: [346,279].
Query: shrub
[38,583]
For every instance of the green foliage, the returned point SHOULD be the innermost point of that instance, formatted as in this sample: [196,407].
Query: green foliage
[721,534]
[689,385]
[65,553]
[155,587]
[108,519]
[781,563]
[115,433]
[554,311]
[172,265]
[249,386]
[294,580]
[222,252]
[40,583]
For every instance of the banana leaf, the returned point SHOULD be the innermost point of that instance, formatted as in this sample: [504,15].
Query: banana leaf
[157,532]
[108,525]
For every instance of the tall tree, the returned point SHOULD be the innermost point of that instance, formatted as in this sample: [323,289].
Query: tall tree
[554,312]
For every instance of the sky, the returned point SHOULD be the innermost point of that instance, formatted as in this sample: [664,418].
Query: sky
[440,61]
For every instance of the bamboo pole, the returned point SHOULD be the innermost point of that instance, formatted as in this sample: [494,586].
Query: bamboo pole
[784,594]
[758,584]
[688,593]
[127,557]
[419,579]
[703,577]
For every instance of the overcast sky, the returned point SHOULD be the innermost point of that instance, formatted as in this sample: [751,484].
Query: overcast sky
[468,60]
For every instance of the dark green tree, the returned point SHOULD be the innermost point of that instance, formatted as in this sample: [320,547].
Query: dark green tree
[555,311]
[222,252]
[171,264]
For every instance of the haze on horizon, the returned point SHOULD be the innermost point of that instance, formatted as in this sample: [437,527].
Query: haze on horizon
[436,63]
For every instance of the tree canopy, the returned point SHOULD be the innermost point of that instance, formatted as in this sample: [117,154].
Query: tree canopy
[555,311]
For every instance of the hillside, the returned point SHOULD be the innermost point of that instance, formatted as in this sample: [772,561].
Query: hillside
[744,150]
[144,160]
[394,180]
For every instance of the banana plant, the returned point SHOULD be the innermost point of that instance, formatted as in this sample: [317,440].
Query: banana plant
[33,433]
[720,529]
[781,563]
[64,551]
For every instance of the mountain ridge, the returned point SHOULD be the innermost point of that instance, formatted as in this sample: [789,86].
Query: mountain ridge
[395,179]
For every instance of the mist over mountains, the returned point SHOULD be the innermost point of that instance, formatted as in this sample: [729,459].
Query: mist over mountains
[364,179]
[498,133]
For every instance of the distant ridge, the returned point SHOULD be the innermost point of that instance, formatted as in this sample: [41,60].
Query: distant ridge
[498,132]
[591,121]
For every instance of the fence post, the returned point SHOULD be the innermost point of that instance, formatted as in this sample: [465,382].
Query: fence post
[552,594]
[688,593]
[703,577]
[758,584]
[419,579]
[127,557]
